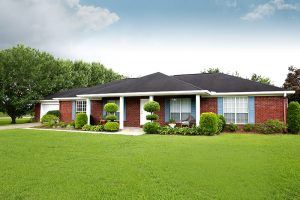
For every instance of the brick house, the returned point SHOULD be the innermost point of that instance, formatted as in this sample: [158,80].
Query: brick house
[181,97]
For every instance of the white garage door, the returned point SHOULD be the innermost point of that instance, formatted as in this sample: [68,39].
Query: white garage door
[47,106]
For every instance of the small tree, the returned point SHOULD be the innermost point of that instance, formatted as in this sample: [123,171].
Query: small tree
[293,118]
[111,109]
[151,107]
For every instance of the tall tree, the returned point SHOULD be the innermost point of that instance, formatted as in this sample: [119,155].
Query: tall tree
[260,79]
[26,75]
[292,82]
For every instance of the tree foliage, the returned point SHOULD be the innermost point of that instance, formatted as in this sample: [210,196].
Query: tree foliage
[292,82]
[26,75]
[260,79]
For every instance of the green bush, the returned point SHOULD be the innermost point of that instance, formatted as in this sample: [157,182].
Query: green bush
[249,127]
[111,126]
[166,130]
[62,124]
[70,126]
[152,106]
[111,107]
[222,118]
[111,118]
[271,126]
[209,123]
[86,127]
[151,128]
[54,112]
[97,128]
[152,117]
[49,120]
[80,120]
[293,118]
[231,127]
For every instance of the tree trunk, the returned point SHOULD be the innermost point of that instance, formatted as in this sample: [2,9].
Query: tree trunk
[13,119]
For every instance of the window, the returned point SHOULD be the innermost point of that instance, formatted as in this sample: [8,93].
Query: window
[80,106]
[180,109]
[235,110]
[116,101]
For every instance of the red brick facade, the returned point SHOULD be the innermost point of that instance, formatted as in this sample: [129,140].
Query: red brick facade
[208,105]
[132,112]
[65,108]
[270,108]
[96,111]
[161,113]
[37,112]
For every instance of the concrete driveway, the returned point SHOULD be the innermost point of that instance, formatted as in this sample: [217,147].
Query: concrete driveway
[14,126]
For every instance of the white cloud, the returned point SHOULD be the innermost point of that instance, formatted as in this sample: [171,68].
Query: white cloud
[268,9]
[227,3]
[49,21]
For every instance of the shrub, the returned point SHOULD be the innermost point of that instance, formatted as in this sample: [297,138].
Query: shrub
[231,127]
[70,126]
[271,126]
[111,107]
[80,120]
[151,128]
[54,112]
[152,106]
[97,128]
[293,119]
[62,124]
[172,121]
[49,120]
[166,130]
[209,123]
[86,127]
[152,117]
[222,118]
[111,126]
[111,117]
[249,127]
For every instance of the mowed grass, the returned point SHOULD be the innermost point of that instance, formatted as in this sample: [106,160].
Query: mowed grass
[59,165]
[7,120]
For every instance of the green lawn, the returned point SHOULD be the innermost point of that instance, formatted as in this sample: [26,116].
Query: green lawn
[7,120]
[60,165]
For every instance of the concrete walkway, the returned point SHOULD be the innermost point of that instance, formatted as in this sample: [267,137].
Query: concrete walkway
[126,131]
[15,126]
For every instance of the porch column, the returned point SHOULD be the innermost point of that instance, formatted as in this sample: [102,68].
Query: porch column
[198,109]
[88,111]
[121,116]
[151,98]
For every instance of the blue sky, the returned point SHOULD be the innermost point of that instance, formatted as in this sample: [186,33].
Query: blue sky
[138,37]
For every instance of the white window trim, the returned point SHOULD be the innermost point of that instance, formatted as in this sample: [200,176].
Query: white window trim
[76,108]
[180,113]
[235,111]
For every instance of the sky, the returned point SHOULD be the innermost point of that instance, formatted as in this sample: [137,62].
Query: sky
[139,37]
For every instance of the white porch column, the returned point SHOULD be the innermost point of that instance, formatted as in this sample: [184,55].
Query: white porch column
[198,109]
[121,116]
[151,98]
[88,111]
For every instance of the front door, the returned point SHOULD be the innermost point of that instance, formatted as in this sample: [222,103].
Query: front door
[143,113]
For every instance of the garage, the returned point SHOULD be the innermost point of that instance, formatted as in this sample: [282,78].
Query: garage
[47,106]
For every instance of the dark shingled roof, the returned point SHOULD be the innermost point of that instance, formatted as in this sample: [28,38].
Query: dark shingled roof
[217,82]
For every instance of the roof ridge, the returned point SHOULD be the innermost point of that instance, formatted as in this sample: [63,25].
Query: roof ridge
[185,82]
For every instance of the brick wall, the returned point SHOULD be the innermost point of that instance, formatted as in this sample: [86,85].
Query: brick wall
[37,112]
[65,108]
[270,108]
[132,112]
[161,113]
[208,105]
[96,111]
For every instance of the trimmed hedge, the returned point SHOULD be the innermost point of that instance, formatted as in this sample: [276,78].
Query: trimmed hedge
[151,128]
[111,107]
[209,123]
[80,120]
[293,118]
[92,128]
[49,120]
[111,118]
[54,112]
[152,106]
[152,117]
[166,130]
[222,124]
[271,126]
[111,126]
